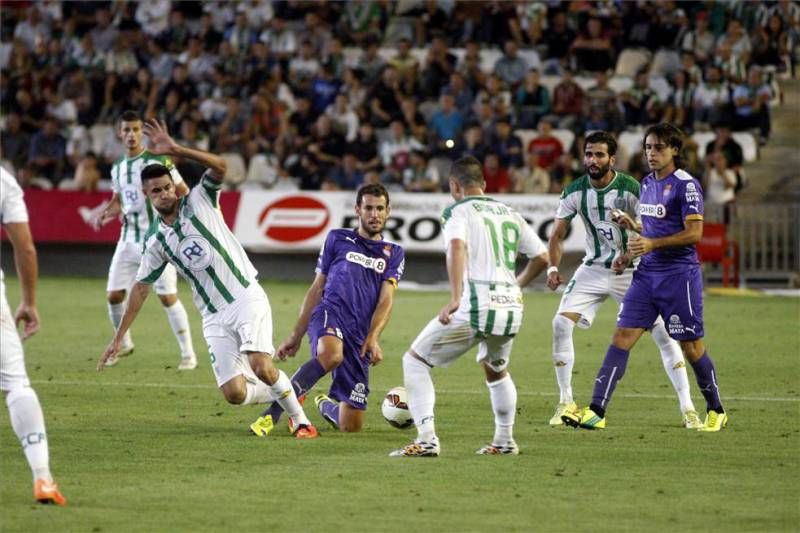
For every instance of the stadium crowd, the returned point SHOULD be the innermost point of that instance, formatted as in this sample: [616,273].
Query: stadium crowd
[330,95]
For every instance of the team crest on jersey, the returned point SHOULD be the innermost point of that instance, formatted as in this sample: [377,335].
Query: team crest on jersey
[653,210]
[619,202]
[667,189]
[195,252]
[378,264]
[692,194]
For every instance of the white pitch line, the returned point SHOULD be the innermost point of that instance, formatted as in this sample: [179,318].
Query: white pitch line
[442,391]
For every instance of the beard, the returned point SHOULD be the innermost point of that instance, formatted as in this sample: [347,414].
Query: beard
[368,229]
[599,173]
[169,210]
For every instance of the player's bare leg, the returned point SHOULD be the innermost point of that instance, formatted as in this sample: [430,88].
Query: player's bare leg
[179,322]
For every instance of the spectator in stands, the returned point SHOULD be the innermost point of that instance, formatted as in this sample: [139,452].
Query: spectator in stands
[104,33]
[699,41]
[532,178]
[61,109]
[510,67]
[231,132]
[395,149]
[558,38]
[182,86]
[445,125]
[365,148]
[334,58]
[507,145]
[281,40]
[472,142]
[413,120]
[712,98]
[470,66]
[361,20]
[546,146]
[207,33]
[343,119]
[439,64]
[323,89]
[384,99]
[592,49]
[497,179]
[303,68]
[737,39]
[719,183]
[87,175]
[751,105]
[406,65]
[495,18]
[532,101]
[15,141]
[32,29]
[640,102]
[153,16]
[159,63]
[568,101]
[563,172]
[31,111]
[316,33]
[679,110]
[301,122]
[265,126]
[87,57]
[352,85]
[601,102]
[733,69]
[48,152]
[327,147]
[462,94]
[771,45]
[431,18]
[419,176]
[347,175]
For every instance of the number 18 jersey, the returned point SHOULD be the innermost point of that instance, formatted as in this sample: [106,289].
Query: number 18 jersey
[494,235]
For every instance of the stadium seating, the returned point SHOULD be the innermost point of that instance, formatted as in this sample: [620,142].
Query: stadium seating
[702,138]
[748,143]
[237,170]
[631,60]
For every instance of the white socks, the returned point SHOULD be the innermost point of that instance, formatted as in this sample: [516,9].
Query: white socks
[421,396]
[179,322]
[257,392]
[283,393]
[674,365]
[563,355]
[28,423]
[115,312]
[503,394]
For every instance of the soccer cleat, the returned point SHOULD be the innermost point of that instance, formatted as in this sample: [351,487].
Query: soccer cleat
[419,448]
[318,401]
[714,421]
[124,351]
[561,409]
[301,399]
[584,418]
[509,448]
[691,420]
[262,426]
[47,492]
[188,363]
[305,431]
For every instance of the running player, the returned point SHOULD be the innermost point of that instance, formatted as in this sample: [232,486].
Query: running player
[137,216]
[668,281]
[483,239]
[594,197]
[344,312]
[191,234]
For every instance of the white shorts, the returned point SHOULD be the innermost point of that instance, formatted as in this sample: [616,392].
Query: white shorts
[243,326]
[12,358]
[125,264]
[590,287]
[441,344]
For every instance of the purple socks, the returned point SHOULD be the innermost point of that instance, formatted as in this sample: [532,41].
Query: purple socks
[706,376]
[607,378]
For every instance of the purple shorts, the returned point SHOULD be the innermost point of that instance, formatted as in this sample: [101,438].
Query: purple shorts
[350,382]
[677,297]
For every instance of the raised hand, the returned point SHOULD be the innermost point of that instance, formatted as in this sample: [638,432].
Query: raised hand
[160,141]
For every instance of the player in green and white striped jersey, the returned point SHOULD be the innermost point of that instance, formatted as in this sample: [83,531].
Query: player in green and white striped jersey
[191,234]
[483,239]
[597,197]
[137,216]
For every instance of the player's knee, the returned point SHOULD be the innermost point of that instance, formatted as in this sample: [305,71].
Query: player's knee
[168,300]
[693,350]
[624,338]
[115,297]
[330,358]
[263,368]
[235,391]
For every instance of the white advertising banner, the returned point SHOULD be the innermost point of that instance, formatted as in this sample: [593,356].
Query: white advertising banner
[296,221]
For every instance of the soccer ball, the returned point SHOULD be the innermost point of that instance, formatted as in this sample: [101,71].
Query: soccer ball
[395,408]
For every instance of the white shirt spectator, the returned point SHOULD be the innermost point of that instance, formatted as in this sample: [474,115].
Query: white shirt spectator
[720,188]
[153,16]
[222,14]
[258,12]
[30,33]
[345,120]
[392,147]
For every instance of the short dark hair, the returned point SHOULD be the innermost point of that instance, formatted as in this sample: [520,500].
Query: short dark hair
[468,172]
[605,138]
[372,189]
[130,116]
[153,171]
[670,135]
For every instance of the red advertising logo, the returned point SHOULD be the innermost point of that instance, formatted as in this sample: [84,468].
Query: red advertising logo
[293,219]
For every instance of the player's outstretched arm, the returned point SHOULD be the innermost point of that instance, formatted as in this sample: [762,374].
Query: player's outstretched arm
[456,260]
[163,144]
[138,294]
[19,233]
[554,279]
[380,317]
[289,347]
[534,267]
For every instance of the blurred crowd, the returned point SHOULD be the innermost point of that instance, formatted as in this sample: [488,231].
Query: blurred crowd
[329,95]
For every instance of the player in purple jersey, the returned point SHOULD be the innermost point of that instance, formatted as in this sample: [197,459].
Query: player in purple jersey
[344,312]
[668,281]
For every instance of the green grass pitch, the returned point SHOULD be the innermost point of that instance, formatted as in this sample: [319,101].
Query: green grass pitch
[142,447]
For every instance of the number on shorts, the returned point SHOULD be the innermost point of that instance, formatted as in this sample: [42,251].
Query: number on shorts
[570,285]
[509,232]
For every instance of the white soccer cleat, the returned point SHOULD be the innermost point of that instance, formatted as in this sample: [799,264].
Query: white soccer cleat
[188,363]
[419,448]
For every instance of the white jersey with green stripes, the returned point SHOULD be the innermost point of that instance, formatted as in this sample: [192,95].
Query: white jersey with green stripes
[605,240]
[126,182]
[495,235]
[202,248]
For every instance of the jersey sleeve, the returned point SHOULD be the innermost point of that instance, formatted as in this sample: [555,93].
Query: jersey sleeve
[530,245]
[208,188]
[326,254]
[566,206]
[692,201]
[397,264]
[454,225]
[12,202]
[154,261]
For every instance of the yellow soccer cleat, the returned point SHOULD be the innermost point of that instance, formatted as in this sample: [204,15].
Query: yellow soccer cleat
[584,418]
[262,426]
[561,409]
[691,420]
[714,422]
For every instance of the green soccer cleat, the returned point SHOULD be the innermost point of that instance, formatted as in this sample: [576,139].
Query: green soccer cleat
[691,420]
[509,448]
[584,418]
[262,426]
[714,422]
[419,448]
[562,409]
